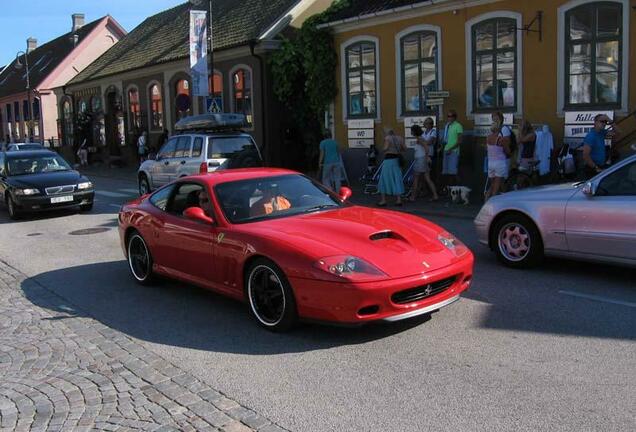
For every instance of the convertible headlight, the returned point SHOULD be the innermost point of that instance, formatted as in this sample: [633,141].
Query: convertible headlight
[452,243]
[84,185]
[25,192]
[349,267]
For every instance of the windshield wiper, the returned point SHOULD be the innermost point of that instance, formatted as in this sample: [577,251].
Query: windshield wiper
[320,207]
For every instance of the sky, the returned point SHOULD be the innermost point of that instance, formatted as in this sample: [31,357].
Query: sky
[48,19]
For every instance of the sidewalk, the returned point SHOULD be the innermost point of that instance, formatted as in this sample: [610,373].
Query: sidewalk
[62,370]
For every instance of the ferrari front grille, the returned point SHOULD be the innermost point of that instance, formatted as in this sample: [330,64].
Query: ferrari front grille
[423,291]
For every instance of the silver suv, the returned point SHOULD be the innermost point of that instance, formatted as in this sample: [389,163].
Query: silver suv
[203,143]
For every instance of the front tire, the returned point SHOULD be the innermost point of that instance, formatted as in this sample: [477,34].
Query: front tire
[14,214]
[517,242]
[144,185]
[139,259]
[270,297]
[86,207]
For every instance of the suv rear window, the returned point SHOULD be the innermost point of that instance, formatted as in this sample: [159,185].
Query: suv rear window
[226,147]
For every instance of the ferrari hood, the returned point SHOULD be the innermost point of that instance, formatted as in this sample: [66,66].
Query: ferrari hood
[399,244]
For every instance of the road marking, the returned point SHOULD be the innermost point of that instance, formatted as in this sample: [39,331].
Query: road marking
[598,298]
[111,194]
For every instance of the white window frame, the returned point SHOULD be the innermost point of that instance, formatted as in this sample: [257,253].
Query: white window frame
[163,106]
[252,90]
[343,74]
[398,65]
[470,59]
[563,9]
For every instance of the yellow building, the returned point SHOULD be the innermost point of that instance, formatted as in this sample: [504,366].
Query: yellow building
[535,59]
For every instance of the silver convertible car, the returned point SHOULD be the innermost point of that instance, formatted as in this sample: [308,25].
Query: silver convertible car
[592,221]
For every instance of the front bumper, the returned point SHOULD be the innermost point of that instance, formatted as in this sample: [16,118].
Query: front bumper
[37,203]
[482,227]
[359,303]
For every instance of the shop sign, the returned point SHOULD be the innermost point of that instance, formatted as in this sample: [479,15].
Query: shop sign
[360,143]
[361,133]
[577,131]
[486,119]
[438,94]
[585,117]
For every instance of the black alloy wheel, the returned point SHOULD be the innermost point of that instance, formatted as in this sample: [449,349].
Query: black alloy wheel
[517,241]
[270,297]
[139,259]
[144,185]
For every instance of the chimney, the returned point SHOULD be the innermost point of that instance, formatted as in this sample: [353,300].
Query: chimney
[32,44]
[78,21]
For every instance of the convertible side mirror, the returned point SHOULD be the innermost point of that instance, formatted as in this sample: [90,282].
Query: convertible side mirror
[345,193]
[589,189]
[197,214]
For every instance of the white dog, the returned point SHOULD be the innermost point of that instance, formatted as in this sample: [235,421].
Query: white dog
[460,194]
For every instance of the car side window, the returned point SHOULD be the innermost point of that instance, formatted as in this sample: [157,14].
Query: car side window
[2,165]
[160,198]
[185,195]
[183,147]
[197,147]
[167,151]
[621,182]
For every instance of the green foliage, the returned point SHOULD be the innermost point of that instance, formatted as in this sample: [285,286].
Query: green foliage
[304,69]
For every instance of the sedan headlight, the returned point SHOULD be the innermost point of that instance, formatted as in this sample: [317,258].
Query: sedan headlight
[349,267]
[26,192]
[452,243]
[84,185]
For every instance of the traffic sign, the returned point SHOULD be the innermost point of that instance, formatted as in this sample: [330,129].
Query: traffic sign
[438,94]
[433,102]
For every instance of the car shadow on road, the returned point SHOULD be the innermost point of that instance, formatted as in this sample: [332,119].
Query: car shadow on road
[177,314]
[561,297]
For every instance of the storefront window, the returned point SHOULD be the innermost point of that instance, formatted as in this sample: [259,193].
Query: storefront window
[156,107]
[495,64]
[67,125]
[96,104]
[83,106]
[183,103]
[16,111]
[216,90]
[361,80]
[593,52]
[242,80]
[419,70]
[134,109]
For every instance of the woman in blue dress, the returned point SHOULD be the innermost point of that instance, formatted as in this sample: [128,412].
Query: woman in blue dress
[391,182]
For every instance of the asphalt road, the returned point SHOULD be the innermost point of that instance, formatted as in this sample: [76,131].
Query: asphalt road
[549,349]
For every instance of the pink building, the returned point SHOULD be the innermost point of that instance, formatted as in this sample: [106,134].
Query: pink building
[51,66]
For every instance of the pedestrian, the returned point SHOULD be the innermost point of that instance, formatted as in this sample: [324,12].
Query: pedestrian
[329,162]
[528,141]
[424,148]
[507,135]
[498,152]
[142,146]
[452,143]
[82,153]
[391,182]
[593,153]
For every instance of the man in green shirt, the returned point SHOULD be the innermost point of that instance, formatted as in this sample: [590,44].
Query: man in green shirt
[452,142]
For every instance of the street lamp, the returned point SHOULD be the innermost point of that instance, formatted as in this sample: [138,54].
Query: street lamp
[19,66]
[210,42]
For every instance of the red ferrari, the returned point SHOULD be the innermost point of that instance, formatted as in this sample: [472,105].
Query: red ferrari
[292,249]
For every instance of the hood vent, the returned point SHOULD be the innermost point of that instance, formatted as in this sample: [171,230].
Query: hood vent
[388,234]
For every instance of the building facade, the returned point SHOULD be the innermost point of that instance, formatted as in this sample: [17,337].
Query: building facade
[144,84]
[50,65]
[536,60]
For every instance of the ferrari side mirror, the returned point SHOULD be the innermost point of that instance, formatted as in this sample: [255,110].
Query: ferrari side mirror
[197,214]
[345,193]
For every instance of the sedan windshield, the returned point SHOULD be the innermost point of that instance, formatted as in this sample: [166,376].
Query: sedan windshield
[273,197]
[36,164]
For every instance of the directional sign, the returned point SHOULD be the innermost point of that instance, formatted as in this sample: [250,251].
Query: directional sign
[433,102]
[438,94]
[360,143]
[361,133]
[361,124]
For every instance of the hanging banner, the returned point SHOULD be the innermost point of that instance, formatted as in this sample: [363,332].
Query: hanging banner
[199,53]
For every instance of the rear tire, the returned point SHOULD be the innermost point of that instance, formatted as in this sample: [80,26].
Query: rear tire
[269,296]
[139,259]
[144,185]
[517,242]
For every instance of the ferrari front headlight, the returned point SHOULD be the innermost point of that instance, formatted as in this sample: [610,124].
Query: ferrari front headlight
[349,267]
[452,243]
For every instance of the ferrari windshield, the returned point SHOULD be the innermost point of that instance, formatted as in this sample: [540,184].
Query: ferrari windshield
[37,164]
[273,197]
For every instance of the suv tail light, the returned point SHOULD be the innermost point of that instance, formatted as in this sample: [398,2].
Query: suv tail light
[203,168]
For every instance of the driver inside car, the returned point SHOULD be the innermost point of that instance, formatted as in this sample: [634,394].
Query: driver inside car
[199,199]
[270,202]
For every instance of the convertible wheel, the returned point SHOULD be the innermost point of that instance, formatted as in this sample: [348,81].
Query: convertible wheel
[139,259]
[14,214]
[517,242]
[270,296]
[144,185]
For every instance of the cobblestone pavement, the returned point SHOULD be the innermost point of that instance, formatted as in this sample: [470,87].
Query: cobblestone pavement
[66,372]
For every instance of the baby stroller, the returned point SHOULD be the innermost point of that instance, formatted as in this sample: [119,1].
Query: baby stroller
[371,176]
